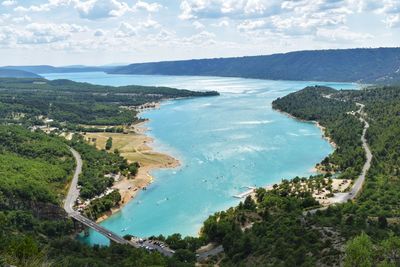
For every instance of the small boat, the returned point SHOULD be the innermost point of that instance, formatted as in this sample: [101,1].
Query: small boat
[123,230]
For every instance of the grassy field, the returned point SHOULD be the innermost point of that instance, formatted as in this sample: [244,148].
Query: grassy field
[134,147]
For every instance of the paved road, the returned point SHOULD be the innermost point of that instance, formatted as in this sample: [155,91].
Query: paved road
[356,189]
[107,233]
[213,252]
[73,192]
[358,184]
[72,196]
[166,251]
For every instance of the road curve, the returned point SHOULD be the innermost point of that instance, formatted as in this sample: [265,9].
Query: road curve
[73,192]
[72,196]
[359,182]
[213,252]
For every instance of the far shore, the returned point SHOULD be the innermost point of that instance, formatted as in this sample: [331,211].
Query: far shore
[135,147]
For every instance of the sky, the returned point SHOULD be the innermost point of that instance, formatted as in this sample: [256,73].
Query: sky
[99,32]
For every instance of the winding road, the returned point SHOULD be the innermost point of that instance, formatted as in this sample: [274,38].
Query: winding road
[359,182]
[73,192]
[72,196]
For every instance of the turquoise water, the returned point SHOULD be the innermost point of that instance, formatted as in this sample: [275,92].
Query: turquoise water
[223,143]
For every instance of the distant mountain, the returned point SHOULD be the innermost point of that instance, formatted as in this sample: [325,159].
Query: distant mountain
[346,65]
[11,73]
[51,69]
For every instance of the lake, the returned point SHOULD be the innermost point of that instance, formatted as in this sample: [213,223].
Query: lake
[224,144]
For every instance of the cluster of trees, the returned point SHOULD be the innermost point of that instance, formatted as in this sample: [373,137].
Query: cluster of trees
[34,170]
[96,165]
[319,103]
[79,103]
[267,232]
[41,164]
[362,252]
[99,206]
[71,253]
[83,129]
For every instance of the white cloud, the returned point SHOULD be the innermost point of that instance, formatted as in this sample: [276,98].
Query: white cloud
[98,9]
[6,35]
[128,30]
[249,25]
[390,7]
[43,33]
[99,33]
[22,19]
[198,25]
[202,38]
[163,36]
[191,9]
[44,7]
[341,34]
[149,24]
[9,3]
[222,23]
[149,7]
[392,21]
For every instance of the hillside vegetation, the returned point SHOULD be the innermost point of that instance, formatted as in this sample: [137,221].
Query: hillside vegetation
[347,65]
[74,103]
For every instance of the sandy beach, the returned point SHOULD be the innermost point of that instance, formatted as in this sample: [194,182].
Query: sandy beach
[135,147]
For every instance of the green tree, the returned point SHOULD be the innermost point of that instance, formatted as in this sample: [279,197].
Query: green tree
[133,168]
[391,249]
[109,143]
[359,252]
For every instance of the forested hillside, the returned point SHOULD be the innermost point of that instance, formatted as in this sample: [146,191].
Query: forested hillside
[348,65]
[78,103]
[316,104]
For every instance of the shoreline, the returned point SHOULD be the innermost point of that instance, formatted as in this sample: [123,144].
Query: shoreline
[322,128]
[149,159]
[316,168]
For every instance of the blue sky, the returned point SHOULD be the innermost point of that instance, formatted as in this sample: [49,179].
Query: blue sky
[96,32]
